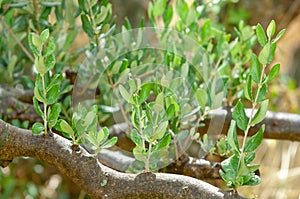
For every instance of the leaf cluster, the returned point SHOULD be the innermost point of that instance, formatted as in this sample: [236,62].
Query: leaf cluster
[84,129]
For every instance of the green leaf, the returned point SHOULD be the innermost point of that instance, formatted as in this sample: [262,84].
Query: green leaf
[123,76]
[16,5]
[171,111]
[53,94]
[53,115]
[248,88]
[266,55]
[255,68]
[184,70]
[159,7]
[262,93]
[134,119]
[160,131]
[196,136]
[243,169]
[92,139]
[132,85]
[205,32]
[38,95]
[239,116]
[253,181]
[201,97]
[50,4]
[159,102]
[261,36]
[66,89]
[260,113]
[182,9]
[102,15]
[56,79]
[37,107]
[222,146]
[271,29]
[40,65]
[224,176]
[232,137]
[253,167]
[127,24]
[148,133]
[139,153]
[273,73]
[82,5]
[278,36]
[172,101]
[192,17]
[116,67]
[11,65]
[124,93]
[217,100]
[44,35]
[102,135]
[51,46]
[32,46]
[163,143]
[253,142]
[87,26]
[144,93]
[37,42]
[136,137]
[89,118]
[230,165]
[50,62]
[65,127]
[58,128]
[250,157]
[37,128]
[167,16]
[111,142]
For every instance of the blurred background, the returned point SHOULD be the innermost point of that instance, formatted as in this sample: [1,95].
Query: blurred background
[279,159]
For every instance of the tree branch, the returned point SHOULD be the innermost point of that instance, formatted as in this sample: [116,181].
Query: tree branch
[96,179]
[283,126]
[195,167]
[13,108]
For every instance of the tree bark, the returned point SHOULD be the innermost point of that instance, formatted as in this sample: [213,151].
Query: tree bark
[95,179]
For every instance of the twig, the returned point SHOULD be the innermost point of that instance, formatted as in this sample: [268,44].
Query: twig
[17,40]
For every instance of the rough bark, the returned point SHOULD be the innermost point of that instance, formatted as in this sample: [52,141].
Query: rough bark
[96,179]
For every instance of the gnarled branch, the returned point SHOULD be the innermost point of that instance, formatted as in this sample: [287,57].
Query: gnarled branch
[96,179]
